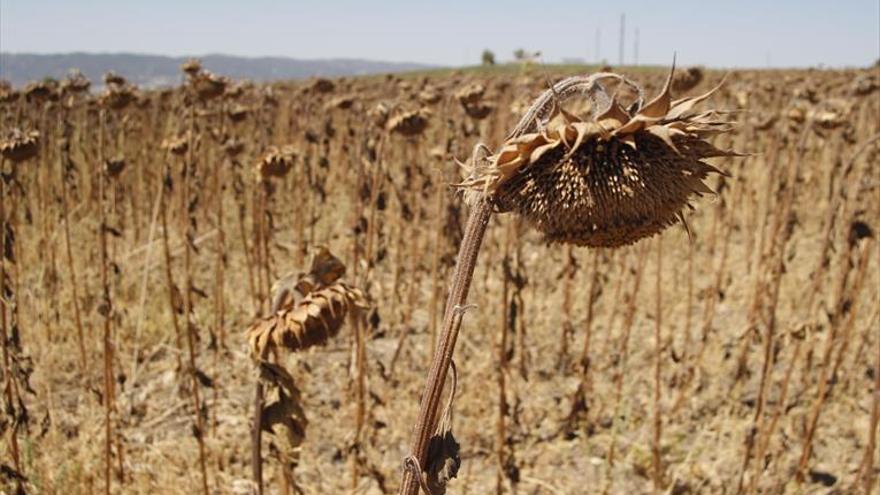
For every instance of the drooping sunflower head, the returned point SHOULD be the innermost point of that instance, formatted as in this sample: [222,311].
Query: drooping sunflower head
[18,146]
[607,179]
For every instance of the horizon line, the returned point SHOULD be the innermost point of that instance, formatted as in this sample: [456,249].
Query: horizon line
[569,61]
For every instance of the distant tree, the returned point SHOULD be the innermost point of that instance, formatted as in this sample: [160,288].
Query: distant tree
[519,54]
[488,57]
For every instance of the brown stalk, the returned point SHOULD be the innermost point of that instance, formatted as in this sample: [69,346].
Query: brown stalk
[219,265]
[107,312]
[616,307]
[657,473]
[376,179]
[248,255]
[818,277]
[187,217]
[63,163]
[503,366]
[426,421]
[519,326]
[784,228]
[579,404]
[688,318]
[220,244]
[360,377]
[9,389]
[827,375]
[622,354]
[435,265]
[360,398]
[568,273]
[867,473]
[172,290]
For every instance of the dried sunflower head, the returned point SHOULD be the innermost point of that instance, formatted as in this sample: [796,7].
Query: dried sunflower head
[113,79]
[19,146]
[207,85]
[177,145]
[41,91]
[237,112]
[479,111]
[114,166]
[429,96]
[311,321]
[410,123]
[471,99]
[276,162]
[75,82]
[470,94]
[687,80]
[379,114]
[343,102]
[118,96]
[233,147]
[192,66]
[609,179]
[321,85]
[8,94]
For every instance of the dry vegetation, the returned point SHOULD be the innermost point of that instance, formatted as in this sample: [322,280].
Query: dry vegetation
[167,253]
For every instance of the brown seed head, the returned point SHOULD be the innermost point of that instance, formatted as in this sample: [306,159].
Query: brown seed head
[276,162]
[237,112]
[113,79]
[207,85]
[41,91]
[379,114]
[7,93]
[410,123]
[322,85]
[470,94]
[479,111]
[343,102]
[19,146]
[117,96]
[607,180]
[429,96]
[177,145]
[233,147]
[75,83]
[191,67]
[687,80]
[114,166]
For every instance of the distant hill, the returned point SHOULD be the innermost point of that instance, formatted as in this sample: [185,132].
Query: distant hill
[157,70]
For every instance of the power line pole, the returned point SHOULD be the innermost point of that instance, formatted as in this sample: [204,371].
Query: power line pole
[622,36]
[597,45]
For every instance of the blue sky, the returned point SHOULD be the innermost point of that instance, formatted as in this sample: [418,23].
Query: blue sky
[720,34]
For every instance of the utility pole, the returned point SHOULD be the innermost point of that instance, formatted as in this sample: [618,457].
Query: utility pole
[622,36]
[597,46]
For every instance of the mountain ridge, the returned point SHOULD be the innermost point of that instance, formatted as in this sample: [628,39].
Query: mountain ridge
[150,70]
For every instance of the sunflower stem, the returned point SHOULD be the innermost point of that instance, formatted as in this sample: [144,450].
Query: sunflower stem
[426,422]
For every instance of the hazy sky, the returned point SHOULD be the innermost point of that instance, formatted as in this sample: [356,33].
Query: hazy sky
[730,33]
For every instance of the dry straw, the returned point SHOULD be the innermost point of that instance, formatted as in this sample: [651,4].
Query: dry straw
[608,179]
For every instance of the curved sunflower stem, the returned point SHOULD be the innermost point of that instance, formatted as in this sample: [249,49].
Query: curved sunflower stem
[426,422]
